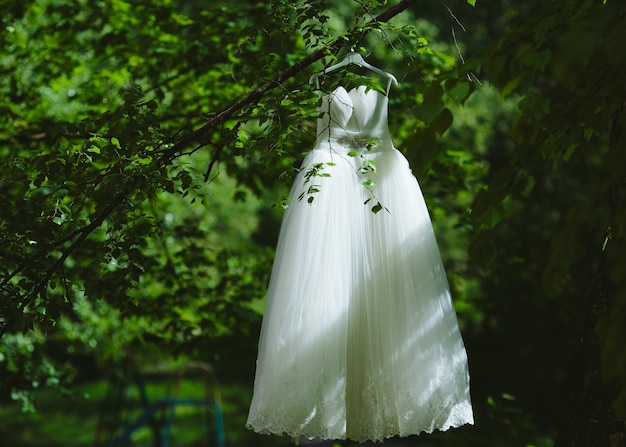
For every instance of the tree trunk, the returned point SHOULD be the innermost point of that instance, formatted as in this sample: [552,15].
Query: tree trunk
[591,420]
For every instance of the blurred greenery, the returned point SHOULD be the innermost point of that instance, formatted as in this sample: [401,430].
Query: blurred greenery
[73,419]
[141,193]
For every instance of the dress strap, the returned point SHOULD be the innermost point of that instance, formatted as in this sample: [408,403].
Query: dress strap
[389,81]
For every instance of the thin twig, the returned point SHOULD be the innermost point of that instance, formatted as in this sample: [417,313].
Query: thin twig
[169,154]
[255,95]
[456,44]
[455,18]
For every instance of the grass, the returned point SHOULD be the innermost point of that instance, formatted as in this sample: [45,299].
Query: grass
[75,420]
[58,421]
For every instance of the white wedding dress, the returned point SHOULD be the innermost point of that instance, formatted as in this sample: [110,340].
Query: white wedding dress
[360,338]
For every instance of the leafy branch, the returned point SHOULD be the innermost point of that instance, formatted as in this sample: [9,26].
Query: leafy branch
[355,35]
[165,155]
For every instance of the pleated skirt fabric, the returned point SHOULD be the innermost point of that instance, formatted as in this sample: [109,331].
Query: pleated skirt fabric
[360,339]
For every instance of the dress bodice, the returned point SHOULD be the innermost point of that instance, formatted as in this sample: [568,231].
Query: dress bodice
[353,120]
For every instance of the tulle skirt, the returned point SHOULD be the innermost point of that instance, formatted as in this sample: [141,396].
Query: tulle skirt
[359,338]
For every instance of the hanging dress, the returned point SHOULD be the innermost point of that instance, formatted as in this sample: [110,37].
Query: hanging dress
[359,339]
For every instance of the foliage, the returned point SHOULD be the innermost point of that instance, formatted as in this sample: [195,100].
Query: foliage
[146,149]
[566,154]
[127,211]
[72,420]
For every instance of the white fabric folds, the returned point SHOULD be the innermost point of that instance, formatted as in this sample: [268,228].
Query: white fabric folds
[360,339]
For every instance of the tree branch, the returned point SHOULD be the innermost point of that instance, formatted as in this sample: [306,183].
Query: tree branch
[41,285]
[169,154]
[255,95]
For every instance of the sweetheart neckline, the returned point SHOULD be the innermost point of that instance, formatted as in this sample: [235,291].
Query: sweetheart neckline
[353,89]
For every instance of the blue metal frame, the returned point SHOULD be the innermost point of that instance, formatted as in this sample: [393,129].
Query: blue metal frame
[159,404]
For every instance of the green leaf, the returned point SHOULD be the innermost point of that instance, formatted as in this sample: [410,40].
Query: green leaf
[588,133]
[534,105]
[511,86]
[472,3]
[422,147]
[442,122]
[459,91]
[432,105]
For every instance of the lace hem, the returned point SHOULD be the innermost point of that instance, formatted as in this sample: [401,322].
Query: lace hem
[378,412]
[457,422]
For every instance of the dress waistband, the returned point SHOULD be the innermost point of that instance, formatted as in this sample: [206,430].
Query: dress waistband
[348,143]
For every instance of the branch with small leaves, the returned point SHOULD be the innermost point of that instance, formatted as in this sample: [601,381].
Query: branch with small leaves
[161,157]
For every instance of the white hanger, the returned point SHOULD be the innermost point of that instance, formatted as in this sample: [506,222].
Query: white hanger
[357,59]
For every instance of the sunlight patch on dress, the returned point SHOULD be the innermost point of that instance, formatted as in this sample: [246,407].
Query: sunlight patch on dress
[360,339]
